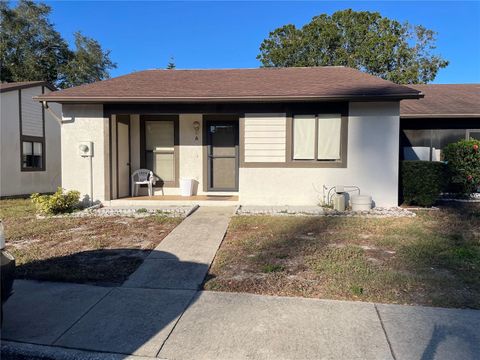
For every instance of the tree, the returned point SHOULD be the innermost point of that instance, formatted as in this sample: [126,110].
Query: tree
[88,64]
[171,64]
[31,49]
[364,40]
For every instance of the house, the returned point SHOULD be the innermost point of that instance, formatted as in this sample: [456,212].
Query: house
[30,159]
[271,136]
[446,114]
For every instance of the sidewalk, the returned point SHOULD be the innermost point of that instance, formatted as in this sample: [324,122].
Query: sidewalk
[184,324]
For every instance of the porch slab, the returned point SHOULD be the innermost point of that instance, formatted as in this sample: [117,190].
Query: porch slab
[417,332]
[39,312]
[244,326]
[175,200]
[129,321]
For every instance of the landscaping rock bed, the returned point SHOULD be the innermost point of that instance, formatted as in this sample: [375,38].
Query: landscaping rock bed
[138,212]
[377,212]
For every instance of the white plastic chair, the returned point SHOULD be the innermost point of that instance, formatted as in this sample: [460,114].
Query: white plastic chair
[143,177]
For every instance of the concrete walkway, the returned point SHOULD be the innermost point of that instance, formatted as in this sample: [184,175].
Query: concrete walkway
[69,321]
[182,259]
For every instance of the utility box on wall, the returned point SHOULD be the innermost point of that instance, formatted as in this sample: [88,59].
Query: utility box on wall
[85,148]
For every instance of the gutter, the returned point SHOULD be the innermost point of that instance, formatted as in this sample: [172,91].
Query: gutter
[439,116]
[114,99]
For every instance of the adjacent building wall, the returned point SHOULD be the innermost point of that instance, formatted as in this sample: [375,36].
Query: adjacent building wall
[372,164]
[86,122]
[13,181]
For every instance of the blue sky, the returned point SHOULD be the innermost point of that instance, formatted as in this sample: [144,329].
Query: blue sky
[144,35]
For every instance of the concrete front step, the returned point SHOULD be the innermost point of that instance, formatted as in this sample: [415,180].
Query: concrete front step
[161,203]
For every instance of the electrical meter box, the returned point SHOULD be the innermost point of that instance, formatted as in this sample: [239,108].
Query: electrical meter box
[85,148]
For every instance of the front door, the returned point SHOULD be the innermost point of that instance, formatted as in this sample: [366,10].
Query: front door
[123,156]
[222,152]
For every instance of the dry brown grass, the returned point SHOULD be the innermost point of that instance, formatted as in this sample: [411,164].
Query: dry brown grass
[101,250]
[432,259]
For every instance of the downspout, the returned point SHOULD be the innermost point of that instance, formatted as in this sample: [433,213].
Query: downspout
[55,116]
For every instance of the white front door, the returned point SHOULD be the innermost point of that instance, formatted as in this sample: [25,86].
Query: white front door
[123,156]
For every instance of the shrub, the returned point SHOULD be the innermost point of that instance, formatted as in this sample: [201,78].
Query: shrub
[463,161]
[58,203]
[422,182]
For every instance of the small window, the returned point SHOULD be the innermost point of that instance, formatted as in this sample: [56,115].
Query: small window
[32,155]
[474,134]
[317,138]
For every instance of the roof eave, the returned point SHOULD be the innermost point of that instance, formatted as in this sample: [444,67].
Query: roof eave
[26,86]
[438,116]
[93,99]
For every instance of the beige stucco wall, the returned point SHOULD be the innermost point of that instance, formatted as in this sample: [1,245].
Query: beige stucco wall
[191,150]
[85,123]
[372,164]
[13,181]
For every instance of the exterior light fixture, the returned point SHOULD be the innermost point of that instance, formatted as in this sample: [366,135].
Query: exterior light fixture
[196,127]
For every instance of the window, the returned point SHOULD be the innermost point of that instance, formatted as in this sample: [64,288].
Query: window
[428,144]
[32,155]
[317,138]
[474,134]
[160,151]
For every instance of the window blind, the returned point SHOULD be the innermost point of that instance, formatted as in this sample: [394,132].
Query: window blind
[304,137]
[329,137]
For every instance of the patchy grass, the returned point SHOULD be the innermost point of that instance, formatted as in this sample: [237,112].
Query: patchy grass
[100,250]
[269,268]
[432,259]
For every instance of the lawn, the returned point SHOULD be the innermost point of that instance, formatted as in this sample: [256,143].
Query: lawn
[432,259]
[99,250]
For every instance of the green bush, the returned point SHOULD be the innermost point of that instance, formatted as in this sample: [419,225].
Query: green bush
[463,161]
[59,203]
[422,182]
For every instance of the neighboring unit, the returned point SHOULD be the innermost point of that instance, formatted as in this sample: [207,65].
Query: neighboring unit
[447,113]
[30,151]
[272,136]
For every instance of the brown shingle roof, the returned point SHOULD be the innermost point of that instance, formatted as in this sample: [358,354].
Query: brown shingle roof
[24,84]
[273,84]
[448,100]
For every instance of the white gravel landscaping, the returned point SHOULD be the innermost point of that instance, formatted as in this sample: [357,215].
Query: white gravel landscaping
[376,212]
[138,212]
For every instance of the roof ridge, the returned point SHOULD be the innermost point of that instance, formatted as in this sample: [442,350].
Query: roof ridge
[251,68]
